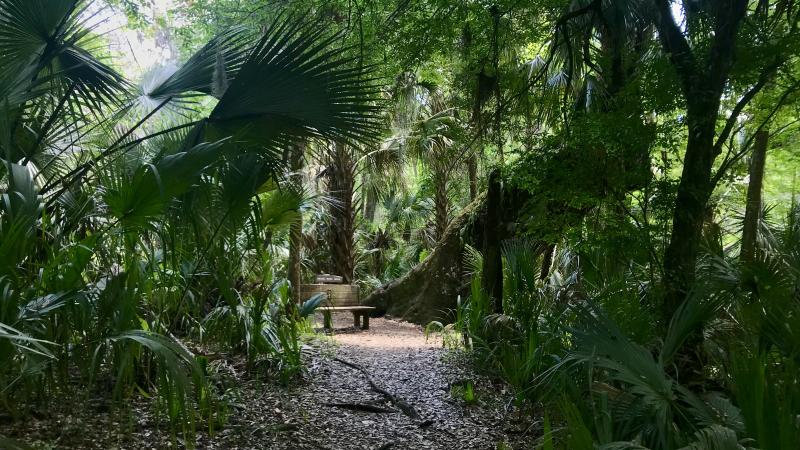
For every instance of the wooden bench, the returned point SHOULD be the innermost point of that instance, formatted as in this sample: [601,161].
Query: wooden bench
[360,315]
[339,297]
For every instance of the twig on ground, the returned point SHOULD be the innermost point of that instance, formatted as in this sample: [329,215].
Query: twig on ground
[404,406]
[361,407]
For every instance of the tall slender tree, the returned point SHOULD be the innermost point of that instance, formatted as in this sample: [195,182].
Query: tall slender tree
[703,52]
[753,206]
[341,174]
[296,159]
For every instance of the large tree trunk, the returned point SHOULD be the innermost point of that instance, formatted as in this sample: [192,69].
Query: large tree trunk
[296,228]
[492,276]
[703,77]
[441,204]
[689,212]
[752,212]
[429,290]
[341,185]
[472,170]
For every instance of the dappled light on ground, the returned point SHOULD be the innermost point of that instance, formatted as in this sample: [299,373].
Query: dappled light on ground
[383,334]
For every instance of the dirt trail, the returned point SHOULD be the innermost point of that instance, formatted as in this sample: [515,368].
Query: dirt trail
[401,361]
[265,416]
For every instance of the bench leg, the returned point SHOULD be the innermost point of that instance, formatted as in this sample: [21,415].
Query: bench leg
[356,320]
[365,325]
[327,321]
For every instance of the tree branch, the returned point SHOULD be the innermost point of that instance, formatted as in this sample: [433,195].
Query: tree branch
[729,161]
[729,16]
[763,79]
[675,43]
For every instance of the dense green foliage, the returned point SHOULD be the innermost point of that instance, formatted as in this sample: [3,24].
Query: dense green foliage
[133,220]
[650,294]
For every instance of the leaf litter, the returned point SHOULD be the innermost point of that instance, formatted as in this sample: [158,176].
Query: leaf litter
[387,387]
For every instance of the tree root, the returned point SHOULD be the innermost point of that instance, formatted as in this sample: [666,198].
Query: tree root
[404,406]
[365,407]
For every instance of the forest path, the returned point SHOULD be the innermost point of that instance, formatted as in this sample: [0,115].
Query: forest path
[417,371]
[398,359]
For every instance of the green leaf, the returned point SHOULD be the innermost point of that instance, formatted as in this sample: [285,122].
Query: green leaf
[24,342]
[309,306]
[294,84]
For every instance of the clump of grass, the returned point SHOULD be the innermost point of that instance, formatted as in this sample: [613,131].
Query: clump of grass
[465,391]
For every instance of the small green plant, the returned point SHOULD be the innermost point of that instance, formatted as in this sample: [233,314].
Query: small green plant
[433,327]
[465,391]
[450,337]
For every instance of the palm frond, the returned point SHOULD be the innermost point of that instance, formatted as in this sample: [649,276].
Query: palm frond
[715,437]
[135,202]
[294,84]
[41,44]
[25,342]
[309,306]
[208,70]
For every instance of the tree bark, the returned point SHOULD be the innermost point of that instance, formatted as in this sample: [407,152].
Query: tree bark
[429,290]
[703,79]
[341,186]
[752,212]
[296,228]
[492,276]
[441,204]
[472,170]
[689,213]
[371,203]
[547,260]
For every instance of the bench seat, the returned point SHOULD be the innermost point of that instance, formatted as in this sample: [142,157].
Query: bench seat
[360,315]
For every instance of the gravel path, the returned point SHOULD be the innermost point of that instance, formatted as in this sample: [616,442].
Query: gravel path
[399,360]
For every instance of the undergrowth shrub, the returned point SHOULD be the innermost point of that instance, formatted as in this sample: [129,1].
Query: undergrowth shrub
[134,227]
[606,376]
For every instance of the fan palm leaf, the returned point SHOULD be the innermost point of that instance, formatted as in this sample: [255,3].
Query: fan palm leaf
[134,202]
[41,46]
[293,84]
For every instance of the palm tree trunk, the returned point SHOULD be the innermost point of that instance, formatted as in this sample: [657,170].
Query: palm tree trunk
[547,261]
[371,202]
[341,185]
[752,212]
[492,276]
[441,204]
[407,232]
[472,169]
[296,228]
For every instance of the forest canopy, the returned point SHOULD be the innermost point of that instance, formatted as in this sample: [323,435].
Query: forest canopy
[593,201]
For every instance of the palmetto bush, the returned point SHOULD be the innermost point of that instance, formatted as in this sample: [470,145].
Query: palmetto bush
[614,393]
[125,219]
[526,339]
[578,350]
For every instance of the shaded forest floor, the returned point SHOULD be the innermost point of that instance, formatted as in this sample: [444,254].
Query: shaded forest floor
[419,373]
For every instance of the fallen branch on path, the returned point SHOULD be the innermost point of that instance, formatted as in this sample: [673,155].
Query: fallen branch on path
[279,428]
[361,407]
[404,406]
